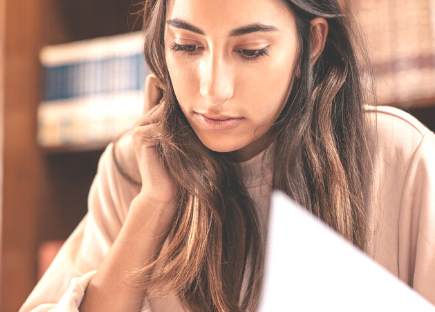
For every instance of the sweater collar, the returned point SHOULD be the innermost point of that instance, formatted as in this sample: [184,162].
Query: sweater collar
[258,169]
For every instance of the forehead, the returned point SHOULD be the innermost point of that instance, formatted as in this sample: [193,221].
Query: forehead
[226,14]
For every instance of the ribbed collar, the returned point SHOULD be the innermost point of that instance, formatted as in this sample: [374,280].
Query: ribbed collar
[258,169]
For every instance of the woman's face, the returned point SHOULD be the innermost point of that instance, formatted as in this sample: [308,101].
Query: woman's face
[231,64]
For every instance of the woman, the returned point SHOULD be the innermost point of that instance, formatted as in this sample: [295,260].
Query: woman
[246,96]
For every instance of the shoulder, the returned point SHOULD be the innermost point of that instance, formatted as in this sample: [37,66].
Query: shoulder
[398,142]
[401,199]
[396,132]
[387,116]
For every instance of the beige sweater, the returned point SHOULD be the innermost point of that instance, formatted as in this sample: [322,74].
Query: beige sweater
[401,228]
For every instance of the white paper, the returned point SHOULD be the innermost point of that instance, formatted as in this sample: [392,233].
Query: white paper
[309,267]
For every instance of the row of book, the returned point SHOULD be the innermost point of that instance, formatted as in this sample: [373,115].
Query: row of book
[92,90]
[93,77]
[401,42]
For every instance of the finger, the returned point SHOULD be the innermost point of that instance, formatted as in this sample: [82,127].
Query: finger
[144,137]
[152,116]
[152,93]
[144,144]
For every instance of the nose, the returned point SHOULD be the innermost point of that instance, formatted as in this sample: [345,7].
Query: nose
[216,80]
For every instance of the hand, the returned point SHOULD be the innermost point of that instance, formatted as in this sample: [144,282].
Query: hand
[158,189]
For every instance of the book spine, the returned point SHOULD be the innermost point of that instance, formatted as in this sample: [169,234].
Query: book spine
[93,98]
[96,118]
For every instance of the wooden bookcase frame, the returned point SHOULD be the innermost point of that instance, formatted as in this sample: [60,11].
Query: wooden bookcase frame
[44,191]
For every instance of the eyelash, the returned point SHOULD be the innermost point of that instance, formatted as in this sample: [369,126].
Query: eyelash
[257,53]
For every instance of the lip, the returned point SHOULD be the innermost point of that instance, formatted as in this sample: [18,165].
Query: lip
[218,122]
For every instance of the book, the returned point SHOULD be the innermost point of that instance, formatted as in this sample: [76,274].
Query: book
[92,89]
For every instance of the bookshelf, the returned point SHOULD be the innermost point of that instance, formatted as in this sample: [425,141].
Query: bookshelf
[400,37]
[44,189]
[91,90]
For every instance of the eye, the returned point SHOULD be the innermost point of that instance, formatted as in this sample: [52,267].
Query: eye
[251,55]
[187,48]
[245,54]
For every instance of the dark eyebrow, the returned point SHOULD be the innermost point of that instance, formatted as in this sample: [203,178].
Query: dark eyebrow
[252,28]
[178,23]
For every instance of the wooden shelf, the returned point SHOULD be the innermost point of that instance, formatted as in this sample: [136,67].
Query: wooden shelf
[75,148]
[66,20]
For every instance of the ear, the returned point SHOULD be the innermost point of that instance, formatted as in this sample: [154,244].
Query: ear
[318,31]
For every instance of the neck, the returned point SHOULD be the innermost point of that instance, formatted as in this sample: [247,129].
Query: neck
[254,148]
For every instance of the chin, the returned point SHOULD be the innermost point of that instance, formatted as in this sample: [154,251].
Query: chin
[221,145]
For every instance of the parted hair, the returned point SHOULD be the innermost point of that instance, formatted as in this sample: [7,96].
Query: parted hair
[319,158]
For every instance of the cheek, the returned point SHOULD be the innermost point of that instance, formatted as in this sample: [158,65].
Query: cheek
[184,79]
[278,75]
[267,88]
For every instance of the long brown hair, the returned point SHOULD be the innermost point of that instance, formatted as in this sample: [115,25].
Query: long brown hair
[318,159]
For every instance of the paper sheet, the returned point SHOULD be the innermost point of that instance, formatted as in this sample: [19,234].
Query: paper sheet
[309,267]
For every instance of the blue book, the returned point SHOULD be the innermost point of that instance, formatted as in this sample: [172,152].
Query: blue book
[91,89]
